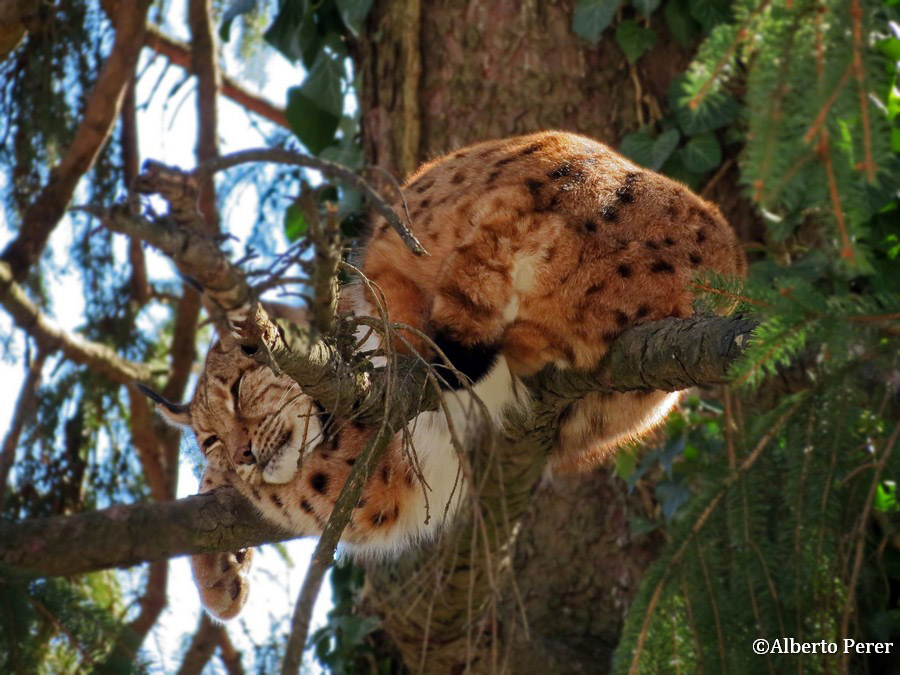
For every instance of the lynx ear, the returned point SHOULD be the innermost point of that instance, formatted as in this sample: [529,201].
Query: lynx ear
[176,414]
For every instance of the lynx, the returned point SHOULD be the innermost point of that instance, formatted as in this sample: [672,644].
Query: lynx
[543,249]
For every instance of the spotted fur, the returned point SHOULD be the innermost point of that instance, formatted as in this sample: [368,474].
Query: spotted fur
[543,249]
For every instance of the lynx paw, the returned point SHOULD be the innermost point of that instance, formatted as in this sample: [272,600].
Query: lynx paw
[221,579]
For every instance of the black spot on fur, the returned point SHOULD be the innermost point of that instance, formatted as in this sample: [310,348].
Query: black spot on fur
[701,235]
[385,474]
[504,161]
[590,226]
[621,318]
[531,149]
[306,506]
[319,482]
[652,245]
[408,478]
[550,254]
[256,495]
[611,335]
[276,500]
[534,187]
[595,288]
[396,511]
[641,312]
[425,203]
[494,175]
[458,178]
[361,503]
[671,210]
[609,213]
[662,267]
[378,519]
[668,241]
[460,154]
[695,259]
[473,361]
[561,171]
[623,194]
[421,186]
[624,271]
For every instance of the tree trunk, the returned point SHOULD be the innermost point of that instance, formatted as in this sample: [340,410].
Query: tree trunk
[438,75]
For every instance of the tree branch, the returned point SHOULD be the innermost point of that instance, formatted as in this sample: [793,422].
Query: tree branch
[52,338]
[180,54]
[97,121]
[222,520]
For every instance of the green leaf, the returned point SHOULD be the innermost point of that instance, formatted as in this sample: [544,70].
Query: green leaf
[716,109]
[354,12]
[645,7]
[284,33]
[638,146]
[680,22]
[890,48]
[314,126]
[663,147]
[634,40]
[710,13]
[323,84]
[233,11]
[702,153]
[295,225]
[591,17]
[648,151]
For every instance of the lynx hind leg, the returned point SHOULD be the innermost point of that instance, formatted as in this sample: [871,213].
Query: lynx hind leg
[221,578]
[600,423]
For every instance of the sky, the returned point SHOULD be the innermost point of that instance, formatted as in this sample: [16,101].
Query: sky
[167,130]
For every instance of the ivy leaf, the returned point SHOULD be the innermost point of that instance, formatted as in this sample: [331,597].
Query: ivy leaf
[591,17]
[314,126]
[716,109]
[664,146]
[353,13]
[284,33]
[295,225]
[634,40]
[648,151]
[710,13]
[233,11]
[890,48]
[680,22]
[323,84]
[702,153]
[645,7]
[672,496]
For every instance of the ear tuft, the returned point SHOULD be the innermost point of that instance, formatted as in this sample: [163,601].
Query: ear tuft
[178,414]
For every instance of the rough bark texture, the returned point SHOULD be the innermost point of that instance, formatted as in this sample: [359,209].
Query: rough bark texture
[439,74]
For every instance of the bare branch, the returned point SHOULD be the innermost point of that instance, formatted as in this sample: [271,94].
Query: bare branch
[330,169]
[52,338]
[180,54]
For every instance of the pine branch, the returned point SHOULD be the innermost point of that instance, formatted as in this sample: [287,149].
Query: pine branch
[97,121]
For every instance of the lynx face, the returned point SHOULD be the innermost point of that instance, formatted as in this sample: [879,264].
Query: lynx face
[248,420]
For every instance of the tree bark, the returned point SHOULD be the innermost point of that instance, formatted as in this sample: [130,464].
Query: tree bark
[437,75]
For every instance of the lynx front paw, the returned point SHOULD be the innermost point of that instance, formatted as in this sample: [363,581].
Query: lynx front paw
[221,579]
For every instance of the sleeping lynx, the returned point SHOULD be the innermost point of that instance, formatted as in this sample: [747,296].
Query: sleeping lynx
[543,249]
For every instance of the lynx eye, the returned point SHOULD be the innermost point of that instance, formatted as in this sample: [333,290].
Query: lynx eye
[209,441]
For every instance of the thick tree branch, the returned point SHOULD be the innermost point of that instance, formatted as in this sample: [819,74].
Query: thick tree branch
[21,412]
[221,520]
[180,54]
[52,338]
[97,121]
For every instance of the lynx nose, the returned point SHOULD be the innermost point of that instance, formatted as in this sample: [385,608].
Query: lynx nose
[243,455]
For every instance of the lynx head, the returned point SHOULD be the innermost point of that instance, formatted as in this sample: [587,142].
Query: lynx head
[246,419]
